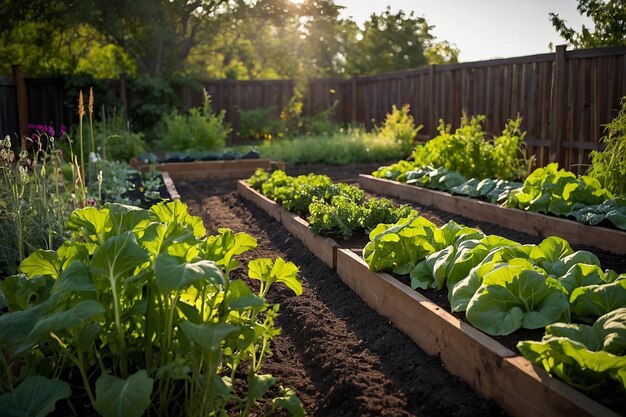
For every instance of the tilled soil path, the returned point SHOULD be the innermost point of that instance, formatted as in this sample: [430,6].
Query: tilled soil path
[341,357]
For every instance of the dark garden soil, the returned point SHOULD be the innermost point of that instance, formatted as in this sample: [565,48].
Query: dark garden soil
[341,357]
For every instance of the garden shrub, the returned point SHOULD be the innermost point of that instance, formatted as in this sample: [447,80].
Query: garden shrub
[199,130]
[399,125]
[115,140]
[258,123]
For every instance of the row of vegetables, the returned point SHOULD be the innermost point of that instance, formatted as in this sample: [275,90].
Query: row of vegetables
[500,285]
[548,190]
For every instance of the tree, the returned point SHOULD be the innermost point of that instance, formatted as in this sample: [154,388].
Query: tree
[609,19]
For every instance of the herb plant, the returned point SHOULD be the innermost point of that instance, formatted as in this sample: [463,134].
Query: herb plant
[139,314]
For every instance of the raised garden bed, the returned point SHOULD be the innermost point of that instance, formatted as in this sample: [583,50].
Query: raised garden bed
[210,169]
[611,240]
[519,387]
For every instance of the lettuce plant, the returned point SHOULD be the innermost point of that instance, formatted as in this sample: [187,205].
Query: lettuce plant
[141,307]
[591,358]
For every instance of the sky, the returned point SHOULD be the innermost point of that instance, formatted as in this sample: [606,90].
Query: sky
[482,29]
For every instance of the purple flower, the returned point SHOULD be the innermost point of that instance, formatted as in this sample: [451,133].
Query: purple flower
[50,130]
[63,130]
[31,126]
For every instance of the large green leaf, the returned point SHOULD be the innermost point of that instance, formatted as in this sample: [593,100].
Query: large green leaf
[175,215]
[21,292]
[581,275]
[223,247]
[208,336]
[514,296]
[128,218]
[592,301]
[173,274]
[16,326]
[67,319]
[41,262]
[90,222]
[116,397]
[119,255]
[240,296]
[36,396]
[551,250]
[560,267]
[75,278]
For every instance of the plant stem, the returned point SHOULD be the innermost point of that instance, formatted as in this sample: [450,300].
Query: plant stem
[119,328]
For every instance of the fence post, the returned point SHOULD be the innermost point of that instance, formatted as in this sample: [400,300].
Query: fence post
[559,103]
[353,96]
[22,102]
[123,96]
[431,101]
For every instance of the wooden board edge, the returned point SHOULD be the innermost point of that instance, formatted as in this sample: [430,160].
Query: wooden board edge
[269,206]
[537,224]
[169,185]
[529,390]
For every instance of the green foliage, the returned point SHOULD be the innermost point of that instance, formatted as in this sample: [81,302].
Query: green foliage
[331,209]
[200,129]
[257,124]
[609,166]
[560,192]
[36,396]
[589,358]
[340,148]
[608,19]
[400,126]
[34,200]
[150,99]
[467,152]
[142,303]
[115,140]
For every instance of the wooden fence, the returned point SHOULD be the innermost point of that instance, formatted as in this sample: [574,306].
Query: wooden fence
[565,98]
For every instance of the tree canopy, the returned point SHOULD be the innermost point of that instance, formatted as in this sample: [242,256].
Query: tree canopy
[609,20]
[244,39]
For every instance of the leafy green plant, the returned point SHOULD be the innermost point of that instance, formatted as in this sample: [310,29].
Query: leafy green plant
[591,358]
[399,125]
[258,124]
[115,140]
[200,129]
[143,304]
[562,193]
[467,152]
[609,166]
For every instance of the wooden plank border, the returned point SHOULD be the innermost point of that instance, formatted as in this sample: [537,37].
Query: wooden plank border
[211,169]
[537,224]
[322,247]
[169,185]
[519,387]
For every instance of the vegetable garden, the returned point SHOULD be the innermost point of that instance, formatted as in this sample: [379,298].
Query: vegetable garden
[115,302]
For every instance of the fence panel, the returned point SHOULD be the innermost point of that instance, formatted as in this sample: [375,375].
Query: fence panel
[8,108]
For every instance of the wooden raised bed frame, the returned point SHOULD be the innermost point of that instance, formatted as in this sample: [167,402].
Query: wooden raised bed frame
[519,387]
[239,168]
[537,224]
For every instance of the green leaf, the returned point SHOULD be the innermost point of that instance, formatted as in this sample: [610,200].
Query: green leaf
[75,278]
[71,251]
[581,275]
[172,274]
[21,292]
[563,265]
[289,401]
[551,250]
[208,336]
[128,218]
[512,297]
[116,397]
[240,296]
[119,255]
[41,262]
[175,215]
[90,221]
[36,396]
[287,273]
[67,319]
[592,301]
[16,326]
[258,385]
